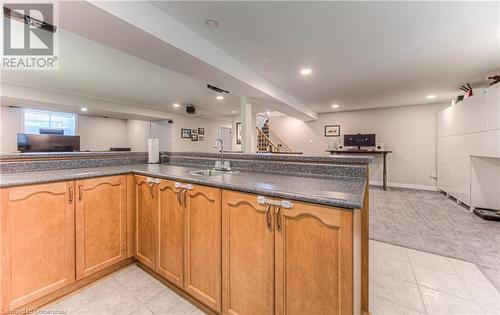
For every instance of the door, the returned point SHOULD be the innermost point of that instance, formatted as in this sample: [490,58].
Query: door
[247,255]
[37,241]
[225,135]
[314,272]
[202,249]
[171,233]
[101,224]
[146,231]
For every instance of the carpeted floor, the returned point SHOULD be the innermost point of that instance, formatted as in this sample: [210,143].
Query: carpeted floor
[431,222]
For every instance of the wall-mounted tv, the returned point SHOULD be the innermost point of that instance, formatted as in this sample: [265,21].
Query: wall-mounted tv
[47,143]
[359,140]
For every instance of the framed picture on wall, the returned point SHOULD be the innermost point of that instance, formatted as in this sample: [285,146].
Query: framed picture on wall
[194,137]
[201,131]
[185,133]
[332,131]
[238,133]
[194,131]
[201,137]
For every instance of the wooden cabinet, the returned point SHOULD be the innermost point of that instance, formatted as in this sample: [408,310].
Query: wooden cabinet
[37,241]
[278,260]
[146,221]
[171,233]
[101,223]
[202,245]
[247,255]
[314,260]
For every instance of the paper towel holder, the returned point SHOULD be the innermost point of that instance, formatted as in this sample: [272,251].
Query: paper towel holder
[153,151]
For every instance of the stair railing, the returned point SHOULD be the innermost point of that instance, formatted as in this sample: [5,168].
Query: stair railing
[264,144]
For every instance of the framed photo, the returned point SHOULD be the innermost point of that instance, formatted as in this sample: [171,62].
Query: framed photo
[194,131]
[185,133]
[332,131]
[201,131]
[238,133]
[201,137]
[194,137]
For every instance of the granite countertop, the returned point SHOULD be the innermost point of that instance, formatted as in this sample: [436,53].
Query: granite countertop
[345,192]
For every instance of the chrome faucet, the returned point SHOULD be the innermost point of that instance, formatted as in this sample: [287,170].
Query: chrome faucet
[221,164]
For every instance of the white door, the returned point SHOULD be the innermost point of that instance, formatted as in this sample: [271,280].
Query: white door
[225,135]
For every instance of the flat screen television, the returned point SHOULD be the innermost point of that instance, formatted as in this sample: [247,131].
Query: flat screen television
[359,140]
[47,143]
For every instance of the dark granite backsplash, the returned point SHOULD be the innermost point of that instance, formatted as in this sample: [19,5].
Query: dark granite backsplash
[304,166]
[46,162]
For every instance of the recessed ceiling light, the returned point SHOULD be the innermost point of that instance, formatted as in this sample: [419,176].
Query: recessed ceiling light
[176,105]
[219,97]
[306,71]
[431,96]
[335,106]
[212,23]
[84,109]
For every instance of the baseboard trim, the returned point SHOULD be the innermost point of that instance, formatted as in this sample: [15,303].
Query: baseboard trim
[403,185]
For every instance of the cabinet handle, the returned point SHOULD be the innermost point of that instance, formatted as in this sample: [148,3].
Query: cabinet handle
[70,197]
[179,196]
[150,186]
[268,218]
[278,218]
[80,192]
[184,195]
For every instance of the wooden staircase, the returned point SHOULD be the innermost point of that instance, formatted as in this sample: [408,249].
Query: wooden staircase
[269,141]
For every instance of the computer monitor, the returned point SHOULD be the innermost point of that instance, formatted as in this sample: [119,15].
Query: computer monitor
[359,140]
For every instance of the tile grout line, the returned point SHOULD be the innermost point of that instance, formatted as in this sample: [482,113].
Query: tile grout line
[418,286]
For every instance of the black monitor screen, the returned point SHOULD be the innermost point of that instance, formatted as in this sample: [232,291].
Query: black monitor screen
[359,140]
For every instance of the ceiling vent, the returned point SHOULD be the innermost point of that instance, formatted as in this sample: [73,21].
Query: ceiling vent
[216,89]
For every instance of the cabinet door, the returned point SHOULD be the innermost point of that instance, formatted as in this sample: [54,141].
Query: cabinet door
[202,249]
[146,222]
[101,224]
[37,241]
[171,239]
[247,255]
[313,260]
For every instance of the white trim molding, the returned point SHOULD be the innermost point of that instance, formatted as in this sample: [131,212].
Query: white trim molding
[403,185]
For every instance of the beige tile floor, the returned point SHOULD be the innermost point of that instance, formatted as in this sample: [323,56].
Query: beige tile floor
[407,281]
[128,291]
[402,281]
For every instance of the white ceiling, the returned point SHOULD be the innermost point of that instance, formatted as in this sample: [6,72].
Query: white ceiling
[88,68]
[363,54]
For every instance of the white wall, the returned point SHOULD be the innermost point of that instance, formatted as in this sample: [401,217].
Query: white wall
[138,132]
[409,131]
[100,134]
[11,123]
[96,133]
[211,133]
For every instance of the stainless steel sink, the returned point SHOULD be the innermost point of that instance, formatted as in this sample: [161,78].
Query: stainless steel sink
[210,172]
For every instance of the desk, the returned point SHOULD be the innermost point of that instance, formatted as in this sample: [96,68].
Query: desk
[373,152]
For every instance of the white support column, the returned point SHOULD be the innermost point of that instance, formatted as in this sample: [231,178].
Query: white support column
[247,126]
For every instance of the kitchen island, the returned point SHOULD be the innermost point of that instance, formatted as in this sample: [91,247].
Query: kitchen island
[285,240]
